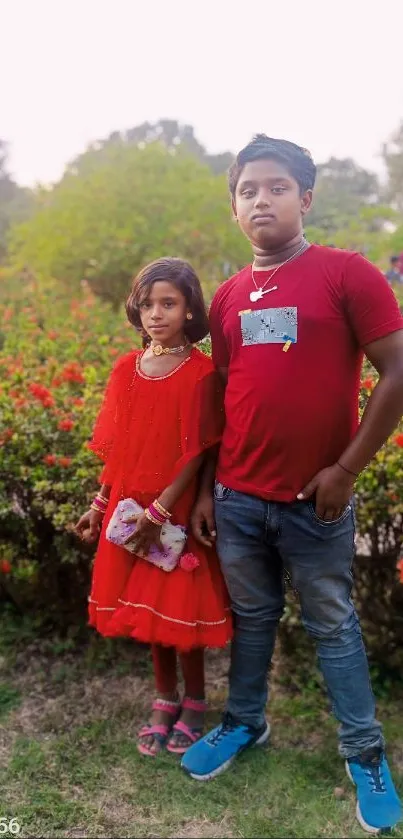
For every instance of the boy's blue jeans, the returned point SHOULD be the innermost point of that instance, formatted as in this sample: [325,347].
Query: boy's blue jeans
[256,540]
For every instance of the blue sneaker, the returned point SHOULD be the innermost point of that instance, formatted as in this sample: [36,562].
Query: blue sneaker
[215,752]
[378,805]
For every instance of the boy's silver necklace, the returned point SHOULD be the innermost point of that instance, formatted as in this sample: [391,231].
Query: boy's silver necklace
[258,294]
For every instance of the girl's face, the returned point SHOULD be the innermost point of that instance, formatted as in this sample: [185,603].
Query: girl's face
[163,314]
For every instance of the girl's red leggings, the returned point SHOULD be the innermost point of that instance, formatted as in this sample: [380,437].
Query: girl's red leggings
[192,666]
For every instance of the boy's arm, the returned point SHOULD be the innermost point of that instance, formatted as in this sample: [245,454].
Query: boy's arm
[334,486]
[378,327]
[385,405]
[203,520]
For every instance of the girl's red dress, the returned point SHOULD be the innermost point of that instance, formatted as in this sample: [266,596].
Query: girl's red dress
[147,430]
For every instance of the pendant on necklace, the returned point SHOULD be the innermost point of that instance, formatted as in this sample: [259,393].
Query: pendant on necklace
[158,349]
[258,294]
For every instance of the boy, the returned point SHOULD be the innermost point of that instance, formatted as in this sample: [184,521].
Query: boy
[288,334]
[393,275]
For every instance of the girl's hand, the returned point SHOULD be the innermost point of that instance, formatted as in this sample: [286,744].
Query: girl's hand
[146,534]
[89,526]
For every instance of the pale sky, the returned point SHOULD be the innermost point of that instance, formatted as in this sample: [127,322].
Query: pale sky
[325,73]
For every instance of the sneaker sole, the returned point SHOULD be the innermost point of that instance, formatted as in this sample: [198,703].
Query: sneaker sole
[367,827]
[260,742]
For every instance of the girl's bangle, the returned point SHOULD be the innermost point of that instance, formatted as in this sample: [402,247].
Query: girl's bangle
[100,504]
[156,514]
[151,518]
[161,509]
[97,509]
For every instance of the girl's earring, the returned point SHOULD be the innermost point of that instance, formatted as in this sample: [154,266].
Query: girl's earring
[189,316]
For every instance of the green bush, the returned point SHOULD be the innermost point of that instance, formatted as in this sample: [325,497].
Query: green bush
[55,355]
[54,362]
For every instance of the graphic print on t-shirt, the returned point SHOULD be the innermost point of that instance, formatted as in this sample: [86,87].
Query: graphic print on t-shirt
[269,326]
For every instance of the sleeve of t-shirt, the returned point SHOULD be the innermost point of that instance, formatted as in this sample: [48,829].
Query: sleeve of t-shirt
[371,305]
[219,346]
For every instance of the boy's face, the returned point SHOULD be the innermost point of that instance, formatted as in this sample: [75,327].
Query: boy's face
[268,204]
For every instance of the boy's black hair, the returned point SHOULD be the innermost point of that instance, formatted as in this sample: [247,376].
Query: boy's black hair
[295,159]
[394,259]
[170,269]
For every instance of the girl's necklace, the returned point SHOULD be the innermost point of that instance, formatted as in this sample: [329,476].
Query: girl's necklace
[158,349]
[258,294]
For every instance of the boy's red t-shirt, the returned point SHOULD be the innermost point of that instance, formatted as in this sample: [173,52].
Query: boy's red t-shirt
[291,413]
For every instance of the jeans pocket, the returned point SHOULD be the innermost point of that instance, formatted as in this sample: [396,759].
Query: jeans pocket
[346,512]
[221,492]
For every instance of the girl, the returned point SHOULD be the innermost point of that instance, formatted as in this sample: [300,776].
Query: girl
[161,413]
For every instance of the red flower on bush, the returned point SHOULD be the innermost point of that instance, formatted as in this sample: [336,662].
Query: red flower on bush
[399,440]
[65,425]
[65,461]
[79,402]
[7,314]
[42,394]
[6,435]
[72,372]
[367,383]
[399,566]
[393,497]
[5,566]
[53,335]
[50,459]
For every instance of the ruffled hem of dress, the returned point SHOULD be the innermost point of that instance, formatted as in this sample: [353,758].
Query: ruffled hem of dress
[144,624]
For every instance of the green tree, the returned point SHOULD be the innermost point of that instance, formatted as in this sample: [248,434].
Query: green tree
[393,159]
[366,232]
[342,189]
[104,220]
[169,132]
[15,202]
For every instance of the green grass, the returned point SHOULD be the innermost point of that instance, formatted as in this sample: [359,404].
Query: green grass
[91,781]
[69,765]
[9,698]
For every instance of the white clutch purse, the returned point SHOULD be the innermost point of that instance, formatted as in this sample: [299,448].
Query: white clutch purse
[173,537]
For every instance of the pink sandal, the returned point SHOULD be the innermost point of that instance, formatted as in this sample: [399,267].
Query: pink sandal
[193,734]
[159,732]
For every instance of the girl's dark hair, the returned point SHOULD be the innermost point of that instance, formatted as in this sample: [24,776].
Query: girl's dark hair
[170,269]
[296,160]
